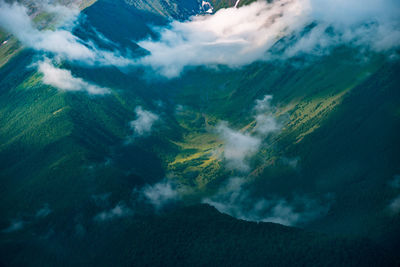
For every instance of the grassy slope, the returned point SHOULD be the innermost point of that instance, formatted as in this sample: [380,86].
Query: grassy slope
[305,95]
[341,125]
[52,140]
[8,49]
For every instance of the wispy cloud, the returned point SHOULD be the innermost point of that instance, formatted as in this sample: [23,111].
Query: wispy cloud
[235,37]
[161,193]
[240,146]
[119,211]
[144,199]
[144,121]
[240,36]
[369,25]
[63,79]
[19,224]
[59,42]
[15,225]
[232,37]
[44,211]
[266,123]
[236,199]
[394,205]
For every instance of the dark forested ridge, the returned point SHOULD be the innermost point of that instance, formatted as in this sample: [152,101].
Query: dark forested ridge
[193,236]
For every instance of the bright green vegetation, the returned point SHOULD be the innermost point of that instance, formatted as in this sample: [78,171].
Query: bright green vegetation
[340,116]
[9,46]
[231,96]
[342,131]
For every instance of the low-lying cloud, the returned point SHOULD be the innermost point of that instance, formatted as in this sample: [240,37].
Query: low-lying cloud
[144,122]
[145,199]
[236,199]
[394,205]
[119,211]
[43,212]
[15,225]
[63,80]
[19,224]
[263,30]
[266,123]
[233,37]
[240,146]
[161,193]
[240,36]
[59,42]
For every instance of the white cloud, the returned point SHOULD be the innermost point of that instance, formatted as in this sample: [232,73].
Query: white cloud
[144,121]
[65,81]
[238,147]
[65,14]
[232,37]
[59,42]
[342,12]
[240,36]
[263,105]
[160,193]
[235,198]
[119,211]
[266,123]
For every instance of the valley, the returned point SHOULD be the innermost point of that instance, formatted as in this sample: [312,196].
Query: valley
[198,168]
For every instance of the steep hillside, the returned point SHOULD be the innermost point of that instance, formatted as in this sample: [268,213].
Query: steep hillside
[10,46]
[194,236]
[68,158]
[174,9]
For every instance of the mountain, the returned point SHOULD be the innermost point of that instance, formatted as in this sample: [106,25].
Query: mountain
[196,236]
[172,9]
[78,187]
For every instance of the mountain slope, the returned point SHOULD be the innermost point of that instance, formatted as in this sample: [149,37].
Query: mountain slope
[62,150]
[195,236]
